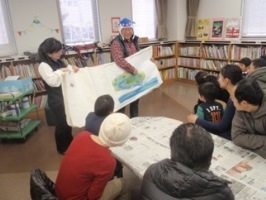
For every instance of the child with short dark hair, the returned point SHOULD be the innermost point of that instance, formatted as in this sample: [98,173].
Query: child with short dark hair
[203,77]
[104,105]
[209,110]
[244,64]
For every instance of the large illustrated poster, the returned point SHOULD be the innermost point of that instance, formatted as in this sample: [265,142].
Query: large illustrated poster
[217,29]
[203,29]
[81,89]
[232,28]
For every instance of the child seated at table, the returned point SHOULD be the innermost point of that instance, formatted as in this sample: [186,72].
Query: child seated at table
[203,77]
[104,105]
[210,109]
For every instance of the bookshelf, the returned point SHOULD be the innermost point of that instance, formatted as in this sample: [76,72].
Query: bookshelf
[188,60]
[164,55]
[24,67]
[88,58]
[211,56]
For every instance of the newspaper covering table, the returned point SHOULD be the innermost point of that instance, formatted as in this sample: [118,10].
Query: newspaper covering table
[149,143]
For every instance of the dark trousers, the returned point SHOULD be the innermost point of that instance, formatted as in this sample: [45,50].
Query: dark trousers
[63,132]
[133,109]
[118,170]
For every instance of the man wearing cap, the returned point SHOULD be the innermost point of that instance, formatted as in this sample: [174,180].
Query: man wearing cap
[122,46]
[88,165]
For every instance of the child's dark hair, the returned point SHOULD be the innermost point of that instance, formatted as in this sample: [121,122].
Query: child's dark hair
[249,90]
[246,61]
[232,72]
[209,91]
[203,77]
[104,105]
[259,63]
[199,77]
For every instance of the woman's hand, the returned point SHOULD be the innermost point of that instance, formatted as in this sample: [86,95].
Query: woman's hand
[64,69]
[192,118]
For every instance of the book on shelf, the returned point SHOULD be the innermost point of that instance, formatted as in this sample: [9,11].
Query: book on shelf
[14,126]
[11,78]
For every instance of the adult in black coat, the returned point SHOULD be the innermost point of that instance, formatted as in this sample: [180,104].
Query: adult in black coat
[186,175]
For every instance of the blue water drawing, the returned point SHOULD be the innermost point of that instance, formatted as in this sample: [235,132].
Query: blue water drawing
[126,81]
[142,88]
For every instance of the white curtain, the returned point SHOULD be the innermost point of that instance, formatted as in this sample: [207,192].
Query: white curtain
[7,41]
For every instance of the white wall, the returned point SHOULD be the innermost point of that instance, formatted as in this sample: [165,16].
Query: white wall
[219,8]
[176,19]
[24,12]
[47,12]
[112,8]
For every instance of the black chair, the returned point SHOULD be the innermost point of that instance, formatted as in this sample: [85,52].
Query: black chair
[41,186]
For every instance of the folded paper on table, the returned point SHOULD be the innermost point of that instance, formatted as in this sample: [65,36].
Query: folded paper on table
[81,89]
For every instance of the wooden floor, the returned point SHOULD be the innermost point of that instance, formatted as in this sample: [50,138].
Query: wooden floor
[173,100]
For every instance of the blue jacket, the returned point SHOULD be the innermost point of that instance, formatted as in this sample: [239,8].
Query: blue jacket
[93,123]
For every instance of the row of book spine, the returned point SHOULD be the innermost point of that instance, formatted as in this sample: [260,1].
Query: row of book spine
[201,63]
[189,74]
[186,73]
[222,51]
[40,101]
[251,52]
[160,51]
[190,51]
[88,60]
[215,51]
[189,62]
[38,85]
[164,63]
[22,70]
[168,74]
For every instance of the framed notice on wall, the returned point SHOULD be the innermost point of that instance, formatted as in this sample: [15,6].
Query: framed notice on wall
[217,29]
[203,29]
[115,24]
[232,28]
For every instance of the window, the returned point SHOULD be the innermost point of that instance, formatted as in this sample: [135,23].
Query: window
[79,20]
[7,40]
[145,17]
[254,23]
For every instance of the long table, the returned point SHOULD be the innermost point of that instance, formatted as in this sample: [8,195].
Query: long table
[149,143]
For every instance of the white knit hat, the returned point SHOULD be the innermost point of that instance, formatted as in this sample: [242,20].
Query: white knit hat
[115,130]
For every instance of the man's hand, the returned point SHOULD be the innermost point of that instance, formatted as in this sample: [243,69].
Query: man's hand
[135,71]
[192,118]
